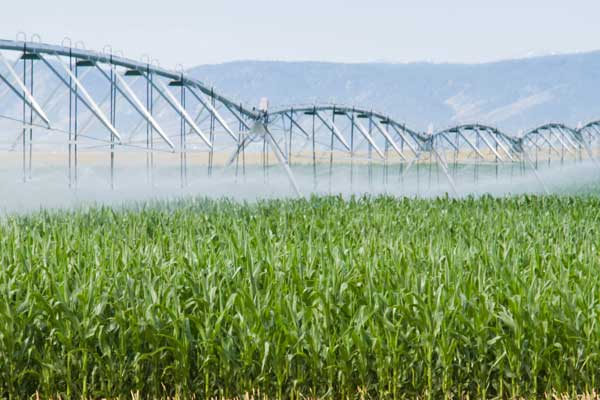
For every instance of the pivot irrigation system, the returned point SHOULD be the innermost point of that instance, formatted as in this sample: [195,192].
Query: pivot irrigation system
[69,107]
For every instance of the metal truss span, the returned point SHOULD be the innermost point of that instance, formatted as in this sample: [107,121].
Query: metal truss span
[77,109]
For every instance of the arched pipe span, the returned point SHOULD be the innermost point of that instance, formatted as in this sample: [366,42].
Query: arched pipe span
[82,54]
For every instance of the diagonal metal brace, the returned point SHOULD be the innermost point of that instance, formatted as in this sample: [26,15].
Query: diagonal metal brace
[367,136]
[336,132]
[82,94]
[214,112]
[389,139]
[135,102]
[23,92]
[164,91]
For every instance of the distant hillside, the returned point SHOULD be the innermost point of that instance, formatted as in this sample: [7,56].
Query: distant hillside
[512,95]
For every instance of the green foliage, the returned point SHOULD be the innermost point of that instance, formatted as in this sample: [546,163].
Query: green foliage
[486,297]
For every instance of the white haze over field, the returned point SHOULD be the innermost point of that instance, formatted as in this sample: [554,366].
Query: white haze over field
[48,188]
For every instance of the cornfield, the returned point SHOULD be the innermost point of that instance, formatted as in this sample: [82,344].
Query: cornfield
[321,297]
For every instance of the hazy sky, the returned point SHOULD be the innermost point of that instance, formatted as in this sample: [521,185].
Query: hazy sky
[198,32]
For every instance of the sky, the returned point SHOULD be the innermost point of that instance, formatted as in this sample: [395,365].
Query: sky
[192,32]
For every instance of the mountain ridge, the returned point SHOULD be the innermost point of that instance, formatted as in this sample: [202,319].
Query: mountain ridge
[513,94]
